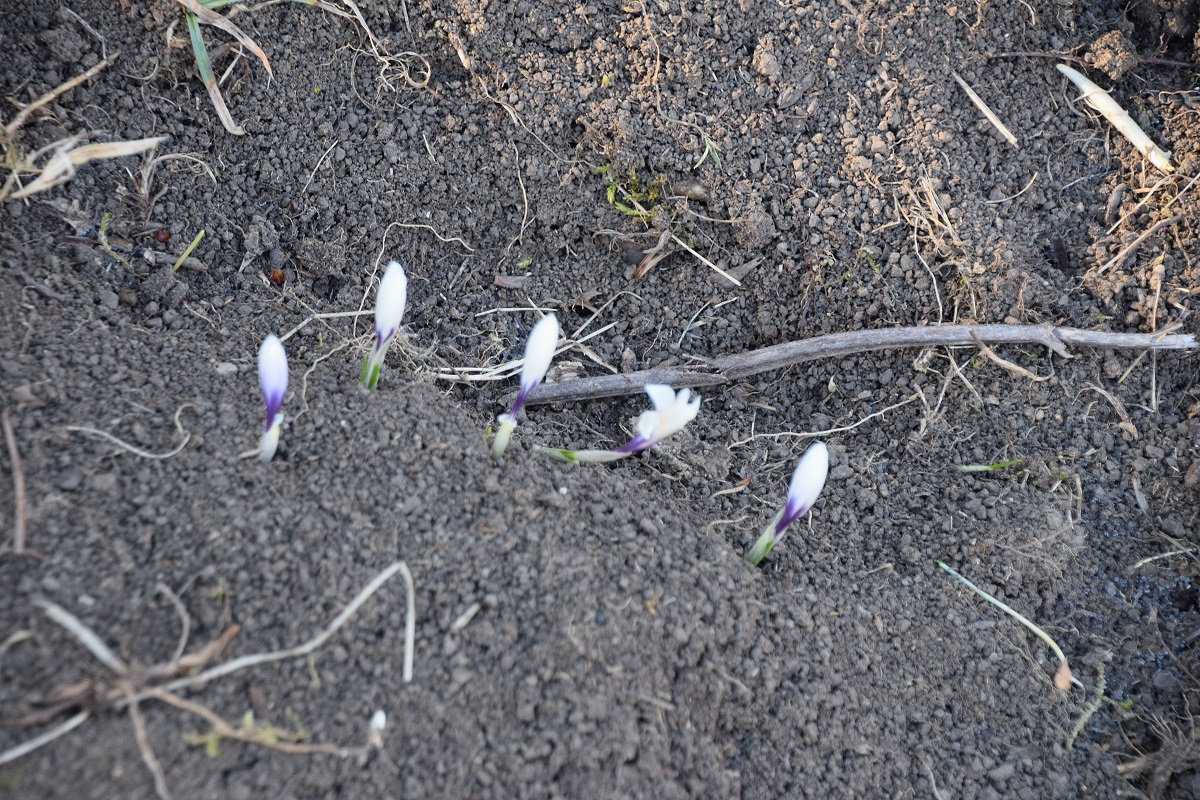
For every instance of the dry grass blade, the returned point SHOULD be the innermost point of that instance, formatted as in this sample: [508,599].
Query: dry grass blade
[22,115]
[18,479]
[302,649]
[143,743]
[67,158]
[987,112]
[1063,678]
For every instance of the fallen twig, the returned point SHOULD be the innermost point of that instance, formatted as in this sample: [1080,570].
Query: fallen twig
[716,371]
[18,479]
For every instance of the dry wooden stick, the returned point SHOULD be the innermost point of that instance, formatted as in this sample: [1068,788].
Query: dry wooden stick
[716,371]
[18,479]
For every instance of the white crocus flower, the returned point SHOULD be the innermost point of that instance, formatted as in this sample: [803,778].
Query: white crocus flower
[672,411]
[273,379]
[375,730]
[390,299]
[807,482]
[539,352]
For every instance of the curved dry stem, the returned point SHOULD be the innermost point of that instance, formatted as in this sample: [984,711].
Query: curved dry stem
[716,371]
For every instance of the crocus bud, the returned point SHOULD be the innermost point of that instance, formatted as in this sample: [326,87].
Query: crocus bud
[539,352]
[671,412]
[807,482]
[273,379]
[375,732]
[390,299]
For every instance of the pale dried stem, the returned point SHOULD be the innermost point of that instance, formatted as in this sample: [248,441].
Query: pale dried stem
[18,479]
[987,112]
[22,115]
[85,635]
[187,437]
[226,731]
[143,743]
[25,748]
[1016,369]
[1132,247]
[304,649]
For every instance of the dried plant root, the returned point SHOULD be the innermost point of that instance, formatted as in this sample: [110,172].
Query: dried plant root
[1103,102]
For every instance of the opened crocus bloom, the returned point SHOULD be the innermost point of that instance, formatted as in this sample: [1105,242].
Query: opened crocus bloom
[671,412]
[539,352]
[273,379]
[390,300]
[807,482]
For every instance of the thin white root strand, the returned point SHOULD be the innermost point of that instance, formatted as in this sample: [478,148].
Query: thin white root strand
[312,644]
[46,738]
[1103,102]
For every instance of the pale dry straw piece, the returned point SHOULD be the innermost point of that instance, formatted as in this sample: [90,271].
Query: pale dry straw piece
[1103,102]
[987,112]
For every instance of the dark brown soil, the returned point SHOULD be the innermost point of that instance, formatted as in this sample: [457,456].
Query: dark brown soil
[622,648]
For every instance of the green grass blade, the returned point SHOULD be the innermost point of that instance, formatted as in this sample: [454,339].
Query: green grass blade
[200,51]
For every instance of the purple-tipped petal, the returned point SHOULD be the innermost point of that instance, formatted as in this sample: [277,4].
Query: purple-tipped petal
[807,482]
[272,375]
[539,352]
[390,299]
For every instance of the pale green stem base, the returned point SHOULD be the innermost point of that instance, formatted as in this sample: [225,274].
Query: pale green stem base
[372,364]
[270,441]
[503,434]
[765,542]
[581,456]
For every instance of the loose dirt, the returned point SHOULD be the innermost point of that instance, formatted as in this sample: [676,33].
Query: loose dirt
[818,152]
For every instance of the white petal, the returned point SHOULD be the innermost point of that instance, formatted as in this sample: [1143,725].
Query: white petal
[272,371]
[379,720]
[539,351]
[809,477]
[661,395]
[390,300]
[671,412]
[646,423]
[678,415]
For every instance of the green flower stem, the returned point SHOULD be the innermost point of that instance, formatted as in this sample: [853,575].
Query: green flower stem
[372,364]
[581,456]
[765,542]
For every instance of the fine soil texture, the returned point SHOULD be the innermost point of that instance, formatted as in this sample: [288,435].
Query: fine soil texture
[678,181]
